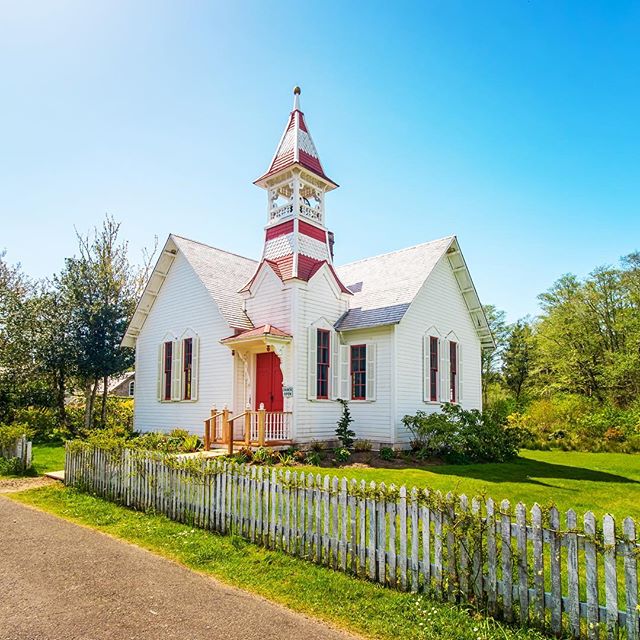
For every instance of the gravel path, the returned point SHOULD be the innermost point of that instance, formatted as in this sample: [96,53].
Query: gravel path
[9,485]
[62,581]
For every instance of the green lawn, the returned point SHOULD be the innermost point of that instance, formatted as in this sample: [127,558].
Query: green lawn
[347,602]
[48,457]
[601,482]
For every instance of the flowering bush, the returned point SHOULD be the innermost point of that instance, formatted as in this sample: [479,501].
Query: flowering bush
[460,436]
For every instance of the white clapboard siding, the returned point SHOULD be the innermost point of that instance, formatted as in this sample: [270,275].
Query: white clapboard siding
[399,538]
[439,305]
[182,303]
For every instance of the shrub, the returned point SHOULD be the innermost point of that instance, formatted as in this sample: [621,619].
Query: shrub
[286,458]
[43,422]
[460,436]
[9,433]
[313,458]
[341,455]
[177,441]
[243,455]
[11,467]
[573,422]
[262,455]
[345,434]
[362,445]
[119,414]
[387,453]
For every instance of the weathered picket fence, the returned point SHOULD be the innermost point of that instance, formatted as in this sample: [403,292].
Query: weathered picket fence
[19,449]
[521,566]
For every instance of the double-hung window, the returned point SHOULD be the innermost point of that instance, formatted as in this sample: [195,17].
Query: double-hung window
[434,369]
[167,371]
[187,368]
[453,371]
[358,372]
[323,364]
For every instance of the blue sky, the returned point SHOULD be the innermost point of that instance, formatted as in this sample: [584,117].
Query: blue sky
[512,124]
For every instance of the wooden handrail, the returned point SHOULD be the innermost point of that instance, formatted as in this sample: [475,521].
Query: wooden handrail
[253,433]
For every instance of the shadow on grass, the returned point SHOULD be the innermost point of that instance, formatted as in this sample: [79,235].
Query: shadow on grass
[523,470]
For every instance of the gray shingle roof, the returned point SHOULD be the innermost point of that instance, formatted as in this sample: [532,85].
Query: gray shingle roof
[223,275]
[384,286]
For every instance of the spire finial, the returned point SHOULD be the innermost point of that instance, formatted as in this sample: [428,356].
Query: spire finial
[296,98]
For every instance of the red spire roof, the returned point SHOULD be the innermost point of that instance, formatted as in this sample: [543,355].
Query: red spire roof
[296,146]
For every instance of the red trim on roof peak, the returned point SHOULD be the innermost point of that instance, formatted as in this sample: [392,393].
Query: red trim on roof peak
[296,147]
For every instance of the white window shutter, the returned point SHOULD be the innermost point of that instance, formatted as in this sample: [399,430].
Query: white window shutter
[426,368]
[195,367]
[460,373]
[445,390]
[371,371]
[160,385]
[176,370]
[335,365]
[345,378]
[312,364]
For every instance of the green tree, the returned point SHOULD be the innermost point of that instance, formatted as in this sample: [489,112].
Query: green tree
[517,357]
[344,432]
[100,287]
[589,334]
[53,347]
[490,358]
[20,384]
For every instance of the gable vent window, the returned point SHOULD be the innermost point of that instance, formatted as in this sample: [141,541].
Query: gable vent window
[323,360]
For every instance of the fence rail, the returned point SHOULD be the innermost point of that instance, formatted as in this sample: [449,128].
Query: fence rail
[579,578]
[20,449]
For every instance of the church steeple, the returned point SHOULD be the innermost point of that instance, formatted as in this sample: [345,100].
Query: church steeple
[297,242]
[296,148]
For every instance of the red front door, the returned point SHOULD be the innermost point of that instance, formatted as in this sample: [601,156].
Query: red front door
[269,382]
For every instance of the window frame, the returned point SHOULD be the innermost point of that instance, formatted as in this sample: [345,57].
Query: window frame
[453,372]
[130,386]
[187,369]
[323,369]
[434,358]
[167,373]
[362,371]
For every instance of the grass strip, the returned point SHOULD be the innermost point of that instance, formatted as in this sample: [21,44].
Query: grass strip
[350,603]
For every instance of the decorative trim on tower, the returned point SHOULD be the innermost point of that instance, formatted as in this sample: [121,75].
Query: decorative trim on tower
[297,243]
[296,147]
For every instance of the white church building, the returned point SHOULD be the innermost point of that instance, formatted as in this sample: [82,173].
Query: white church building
[260,351]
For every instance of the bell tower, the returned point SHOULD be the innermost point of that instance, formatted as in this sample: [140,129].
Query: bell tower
[297,241]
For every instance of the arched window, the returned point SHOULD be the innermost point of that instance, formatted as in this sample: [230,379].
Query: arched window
[432,366]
